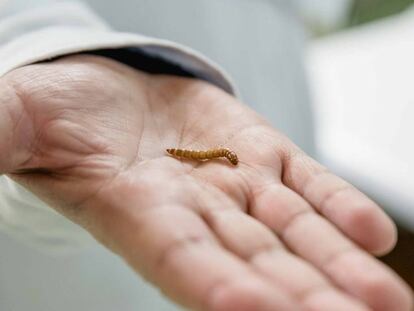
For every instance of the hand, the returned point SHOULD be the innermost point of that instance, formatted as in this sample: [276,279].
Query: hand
[277,232]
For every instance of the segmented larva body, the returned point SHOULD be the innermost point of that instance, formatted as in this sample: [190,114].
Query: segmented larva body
[205,155]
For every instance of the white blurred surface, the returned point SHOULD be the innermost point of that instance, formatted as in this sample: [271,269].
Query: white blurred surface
[363,89]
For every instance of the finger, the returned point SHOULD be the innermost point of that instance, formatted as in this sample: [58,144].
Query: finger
[255,243]
[350,210]
[183,258]
[15,130]
[316,240]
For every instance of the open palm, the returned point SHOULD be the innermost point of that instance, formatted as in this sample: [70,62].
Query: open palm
[276,232]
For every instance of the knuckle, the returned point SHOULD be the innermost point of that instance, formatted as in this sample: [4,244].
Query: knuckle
[165,256]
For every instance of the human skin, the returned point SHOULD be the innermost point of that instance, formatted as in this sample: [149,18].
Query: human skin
[276,232]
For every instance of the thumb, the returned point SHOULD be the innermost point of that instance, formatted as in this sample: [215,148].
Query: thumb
[16,131]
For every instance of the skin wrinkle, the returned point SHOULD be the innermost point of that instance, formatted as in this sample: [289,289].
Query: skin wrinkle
[263,250]
[76,132]
[181,134]
[164,256]
[136,158]
[227,139]
[274,249]
[258,191]
[312,179]
[201,131]
[267,166]
[24,111]
[25,98]
[8,115]
[241,130]
[248,194]
[178,245]
[149,101]
[81,204]
[237,201]
[307,293]
[332,259]
[212,291]
[302,294]
[288,159]
[278,169]
[197,121]
[36,152]
[241,201]
[293,219]
[167,102]
[332,195]
[189,129]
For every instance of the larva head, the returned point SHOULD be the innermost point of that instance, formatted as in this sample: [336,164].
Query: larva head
[232,157]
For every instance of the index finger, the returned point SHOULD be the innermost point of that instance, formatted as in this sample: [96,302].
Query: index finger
[349,209]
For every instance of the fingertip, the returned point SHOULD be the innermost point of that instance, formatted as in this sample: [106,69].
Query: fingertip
[371,228]
[388,238]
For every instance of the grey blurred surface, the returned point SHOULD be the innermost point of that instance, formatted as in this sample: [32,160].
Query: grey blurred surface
[93,280]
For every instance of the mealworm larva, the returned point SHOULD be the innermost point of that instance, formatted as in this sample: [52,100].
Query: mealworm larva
[205,155]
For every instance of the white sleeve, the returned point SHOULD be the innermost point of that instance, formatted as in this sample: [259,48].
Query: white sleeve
[33,31]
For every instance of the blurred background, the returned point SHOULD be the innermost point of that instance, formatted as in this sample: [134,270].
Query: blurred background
[360,69]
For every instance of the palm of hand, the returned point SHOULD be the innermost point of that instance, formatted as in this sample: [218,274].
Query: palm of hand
[209,234]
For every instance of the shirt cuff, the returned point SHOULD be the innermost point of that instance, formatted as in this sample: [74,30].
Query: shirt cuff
[55,41]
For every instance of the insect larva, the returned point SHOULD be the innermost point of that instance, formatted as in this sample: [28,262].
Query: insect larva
[205,155]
